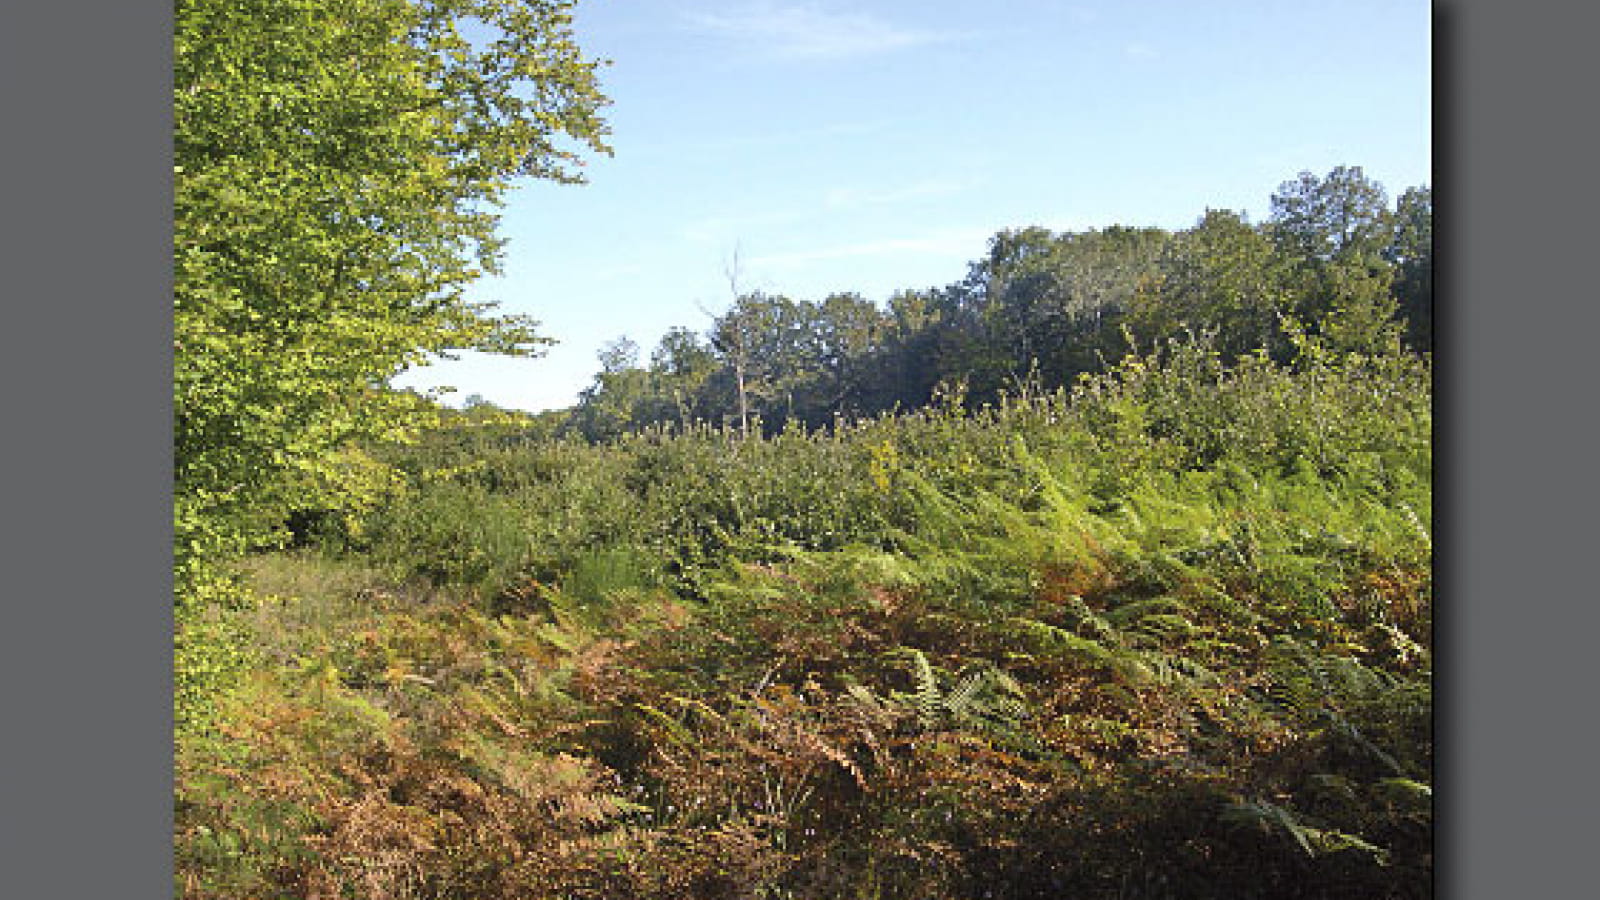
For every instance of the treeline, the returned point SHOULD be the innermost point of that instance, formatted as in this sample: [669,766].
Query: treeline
[1335,259]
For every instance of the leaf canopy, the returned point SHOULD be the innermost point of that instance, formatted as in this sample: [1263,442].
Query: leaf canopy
[336,171]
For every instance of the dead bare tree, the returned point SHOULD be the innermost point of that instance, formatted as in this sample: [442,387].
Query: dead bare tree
[732,338]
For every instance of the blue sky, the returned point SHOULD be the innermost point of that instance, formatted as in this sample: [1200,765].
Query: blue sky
[874,146]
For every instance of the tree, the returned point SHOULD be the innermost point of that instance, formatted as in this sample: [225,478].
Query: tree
[336,167]
[680,366]
[618,355]
[731,337]
[758,339]
[848,330]
[1223,276]
[1049,305]
[1335,231]
[613,403]
[1342,216]
[1411,252]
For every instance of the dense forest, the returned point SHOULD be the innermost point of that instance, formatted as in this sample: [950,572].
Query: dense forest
[1105,571]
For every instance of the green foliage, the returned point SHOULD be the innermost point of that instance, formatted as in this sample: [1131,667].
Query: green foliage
[1223,275]
[1041,309]
[334,168]
[1104,571]
[210,650]
[1167,634]
[1411,252]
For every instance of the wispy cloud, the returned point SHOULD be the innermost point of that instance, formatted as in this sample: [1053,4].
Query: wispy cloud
[949,241]
[854,198]
[721,227]
[758,140]
[834,200]
[806,32]
[1139,50]
[960,242]
[713,229]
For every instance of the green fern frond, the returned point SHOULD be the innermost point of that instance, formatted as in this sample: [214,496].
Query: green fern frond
[961,699]
[984,698]
[863,697]
[1173,670]
[1405,792]
[1164,626]
[1085,621]
[925,696]
[1310,682]
[1310,839]
[673,729]
[1134,610]
[1048,638]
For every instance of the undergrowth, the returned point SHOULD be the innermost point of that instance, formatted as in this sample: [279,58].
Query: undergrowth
[1165,635]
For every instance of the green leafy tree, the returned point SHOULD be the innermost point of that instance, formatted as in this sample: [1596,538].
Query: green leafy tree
[1341,216]
[1050,305]
[1411,252]
[616,401]
[847,329]
[758,340]
[336,168]
[336,165]
[923,332]
[1335,230]
[1223,276]
[680,367]
[1011,286]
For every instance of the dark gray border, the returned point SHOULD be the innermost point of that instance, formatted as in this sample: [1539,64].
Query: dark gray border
[1515,174]
[86,662]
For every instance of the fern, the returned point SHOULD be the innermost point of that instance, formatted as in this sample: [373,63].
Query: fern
[1405,792]
[990,696]
[1086,621]
[925,698]
[1311,684]
[986,698]
[1127,613]
[1312,840]
[1171,670]
[1047,638]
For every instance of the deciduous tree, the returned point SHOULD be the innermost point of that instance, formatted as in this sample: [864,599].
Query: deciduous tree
[336,169]
[336,166]
[1411,252]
